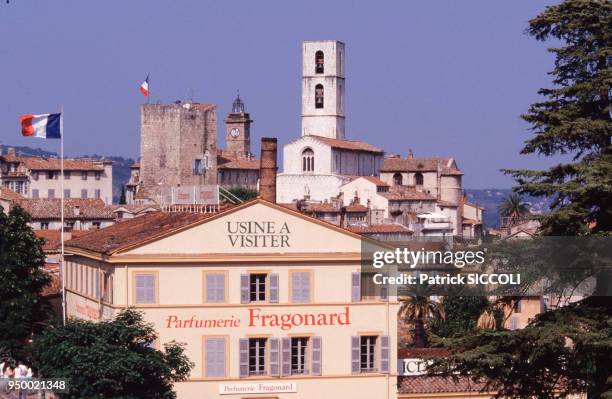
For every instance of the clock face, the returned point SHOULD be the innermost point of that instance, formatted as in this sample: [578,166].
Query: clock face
[235,132]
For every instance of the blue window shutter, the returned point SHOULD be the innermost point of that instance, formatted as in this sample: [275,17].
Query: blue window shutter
[355,354]
[274,357]
[286,356]
[356,287]
[215,357]
[245,296]
[273,288]
[384,354]
[243,360]
[316,356]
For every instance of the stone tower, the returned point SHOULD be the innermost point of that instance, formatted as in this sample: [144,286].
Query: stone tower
[323,88]
[238,130]
[178,146]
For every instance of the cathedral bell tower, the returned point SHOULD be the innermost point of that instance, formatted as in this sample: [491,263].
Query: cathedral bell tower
[238,128]
[323,88]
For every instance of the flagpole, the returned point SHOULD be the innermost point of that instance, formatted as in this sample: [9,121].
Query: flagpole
[62,264]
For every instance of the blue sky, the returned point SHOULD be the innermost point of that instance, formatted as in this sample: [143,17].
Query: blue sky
[445,78]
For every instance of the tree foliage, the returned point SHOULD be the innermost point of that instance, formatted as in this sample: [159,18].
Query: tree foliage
[111,359]
[462,313]
[244,193]
[513,209]
[21,281]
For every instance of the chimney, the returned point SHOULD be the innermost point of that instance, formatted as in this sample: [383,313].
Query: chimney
[410,154]
[267,171]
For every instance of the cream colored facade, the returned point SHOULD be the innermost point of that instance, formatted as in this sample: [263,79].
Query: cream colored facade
[327,260]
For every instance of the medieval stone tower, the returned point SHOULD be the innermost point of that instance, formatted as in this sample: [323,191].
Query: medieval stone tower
[238,130]
[323,88]
[178,146]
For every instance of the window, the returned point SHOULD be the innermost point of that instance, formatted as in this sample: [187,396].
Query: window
[214,283]
[95,225]
[44,225]
[300,287]
[198,166]
[308,160]
[50,175]
[146,287]
[319,62]
[35,175]
[34,193]
[97,193]
[84,193]
[319,96]
[68,225]
[397,179]
[51,193]
[257,287]
[84,175]
[66,193]
[214,357]
[518,306]
[67,175]
[257,356]
[418,179]
[367,350]
[298,355]
[97,175]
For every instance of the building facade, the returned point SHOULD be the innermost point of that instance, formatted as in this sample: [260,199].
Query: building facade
[79,213]
[178,146]
[263,311]
[39,177]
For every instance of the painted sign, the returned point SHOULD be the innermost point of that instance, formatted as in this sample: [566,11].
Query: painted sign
[257,387]
[258,318]
[412,366]
[258,234]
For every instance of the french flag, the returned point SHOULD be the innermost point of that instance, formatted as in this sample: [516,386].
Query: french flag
[144,87]
[45,126]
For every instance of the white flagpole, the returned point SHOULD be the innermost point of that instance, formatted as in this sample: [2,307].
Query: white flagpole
[62,265]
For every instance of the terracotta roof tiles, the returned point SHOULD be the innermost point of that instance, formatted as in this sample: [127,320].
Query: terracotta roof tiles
[406,193]
[50,208]
[10,195]
[380,229]
[420,165]
[347,144]
[45,163]
[424,384]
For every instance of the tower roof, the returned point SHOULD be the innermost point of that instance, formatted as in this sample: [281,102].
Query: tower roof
[238,105]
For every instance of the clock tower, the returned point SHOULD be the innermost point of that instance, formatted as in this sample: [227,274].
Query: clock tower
[238,127]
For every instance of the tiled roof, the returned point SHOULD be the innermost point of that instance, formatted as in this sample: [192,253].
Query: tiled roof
[290,205]
[380,229]
[422,353]
[136,230]
[50,208]
[375,180]
[399,193]
[53,238]
[419,165]
[424,384]
[43,163]
[226,160]
[348,144]
[321,207]
[9,195]
[134,208]
[355,208]
[447,203]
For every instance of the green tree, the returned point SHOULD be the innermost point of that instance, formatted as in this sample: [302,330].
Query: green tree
[419,310]
[566,350]
[243,193]
[461,315]
[21,281]
[513,209]
[111,359]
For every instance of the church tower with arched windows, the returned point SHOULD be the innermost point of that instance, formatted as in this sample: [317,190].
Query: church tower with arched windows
[323,89]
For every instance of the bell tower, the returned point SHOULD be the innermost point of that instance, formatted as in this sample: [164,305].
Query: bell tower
[323,88]
[238,130]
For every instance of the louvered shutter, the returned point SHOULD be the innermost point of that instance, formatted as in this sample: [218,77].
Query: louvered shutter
[384,291]
[356,287]
[245,296]
[273,287]
[286,356]
[243,360]
[384,354]
[316,356]
[355,354]
[274,357]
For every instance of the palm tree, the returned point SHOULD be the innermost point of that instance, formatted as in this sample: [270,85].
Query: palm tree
[487,321]
[418,309]
[513,209]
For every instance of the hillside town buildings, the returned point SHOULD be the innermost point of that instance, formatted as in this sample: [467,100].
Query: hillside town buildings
[39,177]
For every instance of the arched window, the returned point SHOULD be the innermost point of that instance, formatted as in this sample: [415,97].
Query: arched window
[319,62]
[397,179]
[418,179]
[319,96]
[307,160]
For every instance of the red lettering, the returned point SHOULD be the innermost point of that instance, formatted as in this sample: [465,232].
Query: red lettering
[253,316]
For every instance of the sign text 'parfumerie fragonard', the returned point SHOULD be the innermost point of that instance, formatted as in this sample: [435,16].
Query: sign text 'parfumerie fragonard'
[258,234]
[284,321]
